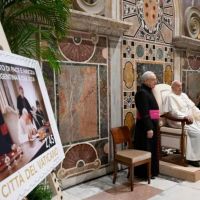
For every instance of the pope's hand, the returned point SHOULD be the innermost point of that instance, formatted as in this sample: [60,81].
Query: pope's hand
[189,119]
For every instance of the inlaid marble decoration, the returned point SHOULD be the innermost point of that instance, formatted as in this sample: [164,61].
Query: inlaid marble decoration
[84,47]
[191,14]
[191,80]
[152,20]
[78,103]
[129,100]
[168,74]
[83,118]
[143,67]
[79,159]
[140,51]
[103,90]
[101,51]
[77,49]
[50,83]
[129,119]
[128,75]
[102,148]
[132,49]
[190,62]
[194,62]
[82,102]
[90,6]
[128,49]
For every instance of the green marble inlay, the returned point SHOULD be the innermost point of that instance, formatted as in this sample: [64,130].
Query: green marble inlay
[139,50]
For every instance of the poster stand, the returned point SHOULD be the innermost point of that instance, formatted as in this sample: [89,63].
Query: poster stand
[52,179]
[55,186]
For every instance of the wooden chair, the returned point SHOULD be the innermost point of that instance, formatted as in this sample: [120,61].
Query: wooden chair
[127,156]
[174,138]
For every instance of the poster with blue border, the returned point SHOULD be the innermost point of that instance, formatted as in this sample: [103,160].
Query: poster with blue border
[30,146]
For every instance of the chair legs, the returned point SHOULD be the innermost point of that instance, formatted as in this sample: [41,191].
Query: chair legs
[149,171]
[115,172]
[131,173]
[132,176]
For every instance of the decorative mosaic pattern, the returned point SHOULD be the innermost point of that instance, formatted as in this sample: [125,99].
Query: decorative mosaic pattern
[102,148]
[146,51]
[128,49]
[152,20]
[84,47]
[128,75]
[191,75]
[129,100]
[77,49]
[168,74]
[129,119]
[79,158]
[138,57]
[191,86]
[101,51]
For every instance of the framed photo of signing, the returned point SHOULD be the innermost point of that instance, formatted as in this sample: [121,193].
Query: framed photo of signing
[30,146]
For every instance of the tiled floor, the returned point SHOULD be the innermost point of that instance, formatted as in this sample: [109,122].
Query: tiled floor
[161,188]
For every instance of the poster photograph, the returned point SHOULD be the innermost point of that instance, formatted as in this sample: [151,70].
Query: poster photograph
[30,146]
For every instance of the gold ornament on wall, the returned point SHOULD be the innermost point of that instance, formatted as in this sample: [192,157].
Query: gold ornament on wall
[128,75]
[129,120]
[168,75]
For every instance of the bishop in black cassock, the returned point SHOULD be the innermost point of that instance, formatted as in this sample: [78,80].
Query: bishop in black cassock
[147,121]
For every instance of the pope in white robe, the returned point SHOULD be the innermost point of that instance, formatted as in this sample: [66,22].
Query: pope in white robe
[180,106]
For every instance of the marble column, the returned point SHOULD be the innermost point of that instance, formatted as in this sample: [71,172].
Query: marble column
[115,81]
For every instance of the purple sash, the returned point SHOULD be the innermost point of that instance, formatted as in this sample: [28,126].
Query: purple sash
[154,114]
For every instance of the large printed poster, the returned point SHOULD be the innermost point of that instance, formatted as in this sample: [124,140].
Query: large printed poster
[30,147]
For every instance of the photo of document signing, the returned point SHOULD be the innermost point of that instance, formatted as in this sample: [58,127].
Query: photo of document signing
[25,131]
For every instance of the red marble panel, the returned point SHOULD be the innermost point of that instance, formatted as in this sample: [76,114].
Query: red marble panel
[78,119]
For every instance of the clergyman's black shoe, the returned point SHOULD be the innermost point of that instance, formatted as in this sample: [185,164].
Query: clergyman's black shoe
[194,163]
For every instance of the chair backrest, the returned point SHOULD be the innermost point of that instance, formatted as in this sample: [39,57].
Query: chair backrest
[160,92]
[121,135]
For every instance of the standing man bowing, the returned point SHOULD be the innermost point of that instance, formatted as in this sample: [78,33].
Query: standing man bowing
[146,135]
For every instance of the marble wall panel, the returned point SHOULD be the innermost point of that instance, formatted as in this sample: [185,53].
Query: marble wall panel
[101,52]
[78,103]
[103,95]
[190,63]
[191,80]
[102,148]
[48,74]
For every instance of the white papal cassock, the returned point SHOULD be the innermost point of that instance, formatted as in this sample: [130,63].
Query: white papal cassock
[180,106]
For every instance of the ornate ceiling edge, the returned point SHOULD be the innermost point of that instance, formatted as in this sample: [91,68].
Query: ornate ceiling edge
[82,21]
[184,42]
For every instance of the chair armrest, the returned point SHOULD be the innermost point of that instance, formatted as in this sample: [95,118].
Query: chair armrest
[170,117]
